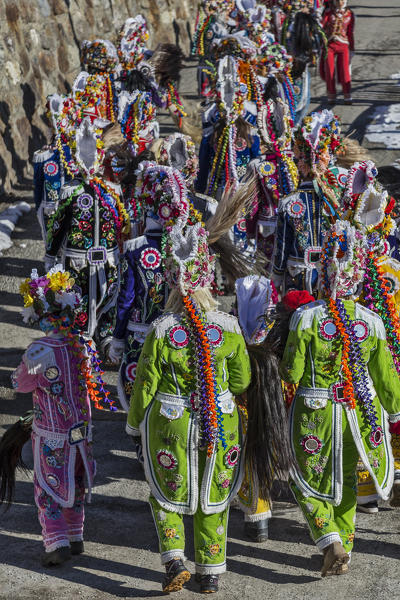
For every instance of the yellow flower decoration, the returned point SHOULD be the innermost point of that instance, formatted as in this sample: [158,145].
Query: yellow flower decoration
[24,287]
[60,280]
[28,300]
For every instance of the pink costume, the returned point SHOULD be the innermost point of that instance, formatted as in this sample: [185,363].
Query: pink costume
[61,438]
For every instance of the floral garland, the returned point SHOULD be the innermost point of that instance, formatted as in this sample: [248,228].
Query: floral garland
[379,299]
[120,215]
[175,101]
[355,373]
[206,395]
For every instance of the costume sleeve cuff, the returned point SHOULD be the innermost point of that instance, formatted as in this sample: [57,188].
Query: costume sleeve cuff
[394,418]
[132,430]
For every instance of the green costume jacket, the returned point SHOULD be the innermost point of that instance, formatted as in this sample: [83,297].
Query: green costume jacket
[180,474]
[322,426]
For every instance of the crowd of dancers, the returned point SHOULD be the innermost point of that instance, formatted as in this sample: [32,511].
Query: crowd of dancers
[264,207]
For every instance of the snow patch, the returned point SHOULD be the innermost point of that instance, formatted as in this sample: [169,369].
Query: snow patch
[385,127]
[8,221]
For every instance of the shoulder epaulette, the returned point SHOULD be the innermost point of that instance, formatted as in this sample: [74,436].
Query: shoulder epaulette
[227,322]
[305,315]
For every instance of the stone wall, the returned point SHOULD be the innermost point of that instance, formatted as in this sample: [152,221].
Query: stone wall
[39,55]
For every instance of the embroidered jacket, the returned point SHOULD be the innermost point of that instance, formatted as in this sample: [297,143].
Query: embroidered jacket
[142,294]
[84,232]
[170,425]
[48,177]
[302,222]
[62,423]
[318,417]
[339,26]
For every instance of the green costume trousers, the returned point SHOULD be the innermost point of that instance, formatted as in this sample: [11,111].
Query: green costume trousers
[210,533]
[330,523]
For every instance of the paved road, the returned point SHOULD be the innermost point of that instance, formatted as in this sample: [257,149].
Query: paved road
[121,559]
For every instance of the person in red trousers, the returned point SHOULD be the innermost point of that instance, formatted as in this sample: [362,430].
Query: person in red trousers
[338,24]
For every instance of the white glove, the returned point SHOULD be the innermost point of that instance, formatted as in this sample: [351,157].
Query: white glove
[116,350]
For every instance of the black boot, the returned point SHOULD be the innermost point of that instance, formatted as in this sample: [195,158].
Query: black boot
[256,531]
[176,576]
[57,557]
[77,547]
[209,584]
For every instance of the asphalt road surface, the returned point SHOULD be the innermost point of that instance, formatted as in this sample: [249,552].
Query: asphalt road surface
[121,558]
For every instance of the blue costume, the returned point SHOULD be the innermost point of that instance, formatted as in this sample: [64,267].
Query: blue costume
[141,299]
[303,219]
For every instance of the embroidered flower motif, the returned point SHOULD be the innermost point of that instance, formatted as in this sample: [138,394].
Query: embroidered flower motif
[84,201]
[178,336]
[311,444]
[320,522]
[226,483]
[50,168]
[167,460]
[232,457]
[376,437]
[37,412]
[350,538]
[327,329]
[241,225]
[213,550]
[52,480]
[267,169]
[57,388]
[150,258]
[215,335]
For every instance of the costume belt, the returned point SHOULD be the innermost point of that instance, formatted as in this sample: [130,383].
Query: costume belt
[312,392]
[179,400]
[75,434]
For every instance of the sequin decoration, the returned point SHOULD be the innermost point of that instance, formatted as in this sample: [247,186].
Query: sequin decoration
[232,457]
[52,480]
[311,444]
[166,460]
[361,330]
[164,211]
[52,373]
[327,329]
[267,169]
[150,258]
[296,208]
[215,335]
[50,169]
[130,371]
[178,336]
[376,437]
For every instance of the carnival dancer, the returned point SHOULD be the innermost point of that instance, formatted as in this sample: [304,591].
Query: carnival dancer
[368,207]
[338,24]
[87,231]
[305,215]
[337,351]
[161,193]
[57,370]
[193,362]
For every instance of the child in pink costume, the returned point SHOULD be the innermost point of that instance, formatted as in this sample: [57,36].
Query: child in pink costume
[338,24]
[56,369]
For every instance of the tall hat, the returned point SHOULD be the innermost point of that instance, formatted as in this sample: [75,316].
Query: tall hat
[99,56]
[162,194]
[189,264]
[343,260]
[317,132]
[137,117]
[133,37]
[179,151]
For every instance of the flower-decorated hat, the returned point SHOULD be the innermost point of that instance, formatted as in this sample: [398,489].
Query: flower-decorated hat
[276,58]
[133,37]
[162,193]
[317,132]
[137,117]
[98,56]
[52,296]
[179,151]
[189,266]
[364,198]
[343,260]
